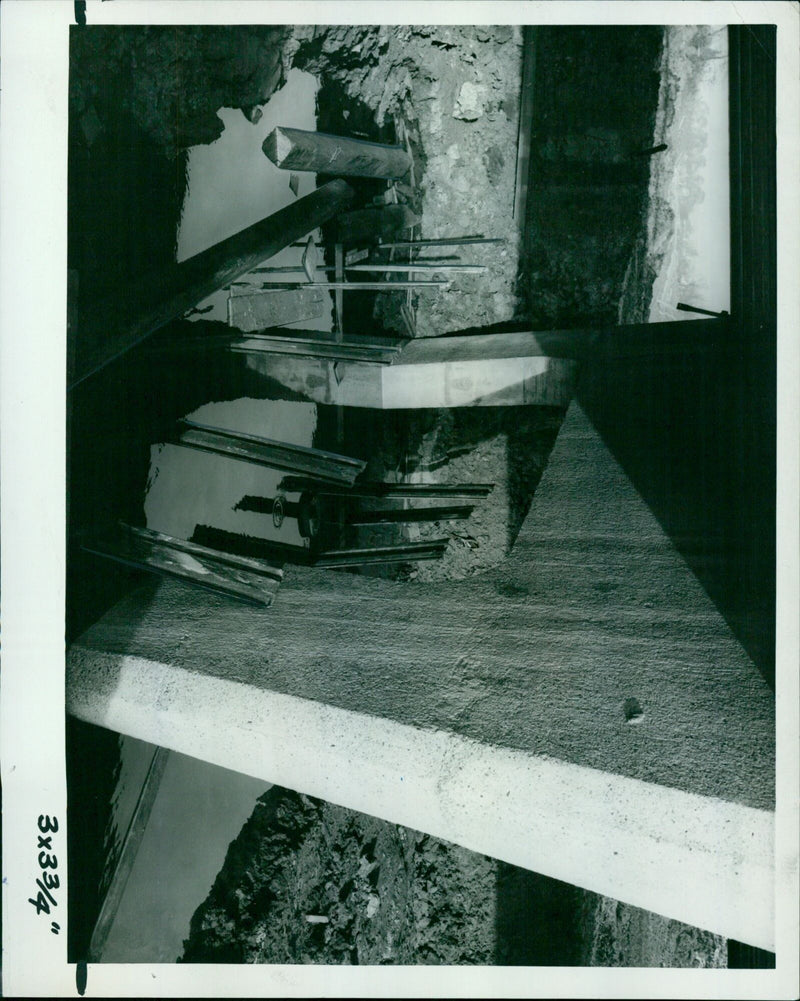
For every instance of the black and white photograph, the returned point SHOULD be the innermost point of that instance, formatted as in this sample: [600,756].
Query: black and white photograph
[400,528]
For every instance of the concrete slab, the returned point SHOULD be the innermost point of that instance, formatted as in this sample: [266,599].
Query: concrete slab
[480,381]
[581,710]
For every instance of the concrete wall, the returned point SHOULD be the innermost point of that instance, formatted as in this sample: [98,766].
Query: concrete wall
[582,710]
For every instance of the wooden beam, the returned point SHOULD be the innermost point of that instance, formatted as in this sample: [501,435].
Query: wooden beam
[114,325]
[297,149]
[274,308]
[278,454]
[253,581]
[379,350]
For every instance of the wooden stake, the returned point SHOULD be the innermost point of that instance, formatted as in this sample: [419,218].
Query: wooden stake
[263,309]
[296,149]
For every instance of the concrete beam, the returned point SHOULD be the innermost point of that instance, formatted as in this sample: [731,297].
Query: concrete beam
[582,710]
[482,371]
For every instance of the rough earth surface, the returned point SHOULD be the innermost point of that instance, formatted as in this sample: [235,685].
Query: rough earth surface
[307,881]
[171,81]
[310,882]
[452,93]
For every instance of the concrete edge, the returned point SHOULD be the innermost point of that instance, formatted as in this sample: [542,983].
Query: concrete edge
[699,860]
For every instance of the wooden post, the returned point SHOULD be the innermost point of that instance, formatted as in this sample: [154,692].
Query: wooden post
[114,325]
[296,149]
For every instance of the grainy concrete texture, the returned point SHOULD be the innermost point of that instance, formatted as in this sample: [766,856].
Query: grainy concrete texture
[581,710]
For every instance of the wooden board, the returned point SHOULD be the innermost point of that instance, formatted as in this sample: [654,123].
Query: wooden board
[260,310]
[314,462]
[377,350]
[253,581]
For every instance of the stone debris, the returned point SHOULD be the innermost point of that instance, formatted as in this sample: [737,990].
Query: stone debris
[469,103]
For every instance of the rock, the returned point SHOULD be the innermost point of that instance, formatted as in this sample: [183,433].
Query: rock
[469,103]
[253,113]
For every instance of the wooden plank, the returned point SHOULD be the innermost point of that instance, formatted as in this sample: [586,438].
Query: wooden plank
[212,335]
[247,580]
[309,347]
[259,310]
[298,149]
[354,256]
[115,324]
[127,856]
[202,552]
[264,451]
[674,337]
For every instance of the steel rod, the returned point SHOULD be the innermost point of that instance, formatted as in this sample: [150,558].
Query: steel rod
[450,241]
